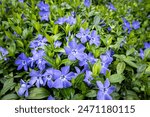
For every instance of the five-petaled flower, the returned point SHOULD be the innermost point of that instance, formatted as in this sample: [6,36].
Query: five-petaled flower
[94,38]
[75,51]
[23,90]
[22,62]
[104,90]
[63,77]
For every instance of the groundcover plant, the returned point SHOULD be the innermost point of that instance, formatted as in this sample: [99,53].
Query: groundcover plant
[75,49]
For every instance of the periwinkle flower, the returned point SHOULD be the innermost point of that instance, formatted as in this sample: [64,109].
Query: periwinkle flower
[36,78]
[63,77]
[136,25]
[126,25]
[44,11]
[87,3]
[44,15]
[50,98]
[61,20]
[57,44]
[3,53]
[111,7]
[43,7]
[83,35]
[146,45]
[104,90]
[88,77]
[88,58]
[22,62]
[48,77]
[23,90]
[106,60]
[94,38]
[75,51]
[21,1]
[71,20]
[142,53]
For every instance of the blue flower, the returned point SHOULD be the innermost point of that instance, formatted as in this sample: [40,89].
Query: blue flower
[146,45]
[136,24]
[43,7]
[36,78]
[88,77]
[39,42]
[87,3]
[44,11]
[57,44]
[126,25]
[22,62]
[104,90]
[83,35]
[88,58]
[23,91]
[61,20]
[75,51]
[3,53]
[111,7]
[44,15]
[142,53]
[106,61]
[94,38]
[71,20]
[21,1]
[63,77]
[50,98]
[48,77]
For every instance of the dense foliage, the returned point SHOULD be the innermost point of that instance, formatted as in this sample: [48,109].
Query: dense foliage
[75,49]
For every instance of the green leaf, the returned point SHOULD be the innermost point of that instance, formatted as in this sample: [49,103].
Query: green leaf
[130,51]
[50,60]
[147,71]
[96,20]
[91,93]
[120,67]
[147,53]
[129,62]
[78,97]
[78,80]
[9,84]
[96,68]
[38,93]
[116,78]
[10,97]
[67,93]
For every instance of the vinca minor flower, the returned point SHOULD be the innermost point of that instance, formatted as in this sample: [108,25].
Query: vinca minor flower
[23,90]
[136,25]
[104,90]
[88,77]
[63,77]
[22,62]
[75,51]
[94,38]
[87,3]
[3,53]
[111,7]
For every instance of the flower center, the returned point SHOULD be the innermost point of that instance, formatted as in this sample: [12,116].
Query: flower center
[49,77]
[74,51]
[23,62]
[62,77]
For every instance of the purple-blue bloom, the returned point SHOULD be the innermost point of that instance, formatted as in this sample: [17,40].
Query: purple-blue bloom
[75,51]
[50,98]
[22,62]
[57,44]
[3,53]
[136,24]
[94,38]
[44,11]
[126,25]
[23,90]
[48,77]
[88,77]
[63,77]
[21,1]
[36,78]
[87,3]
[104,90]
[146,45]
[106,61]
[83,35]
[44,15]
[71,20]
[111,7]
[61,20]
[142,53]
